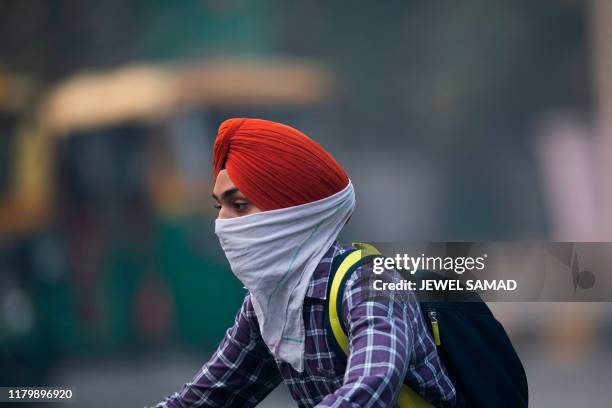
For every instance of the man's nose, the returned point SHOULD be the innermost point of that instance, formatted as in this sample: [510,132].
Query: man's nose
[224,213]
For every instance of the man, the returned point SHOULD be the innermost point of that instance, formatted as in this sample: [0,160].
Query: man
[282,201]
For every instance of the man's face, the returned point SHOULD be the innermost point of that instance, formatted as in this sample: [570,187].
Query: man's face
[230,201]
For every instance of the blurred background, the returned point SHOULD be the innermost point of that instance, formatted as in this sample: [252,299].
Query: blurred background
[471,120]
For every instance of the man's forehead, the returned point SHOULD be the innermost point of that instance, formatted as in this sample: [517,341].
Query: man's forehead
[224,187]
[223,182]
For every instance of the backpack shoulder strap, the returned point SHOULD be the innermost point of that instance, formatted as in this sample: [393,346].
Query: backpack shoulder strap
[342,268]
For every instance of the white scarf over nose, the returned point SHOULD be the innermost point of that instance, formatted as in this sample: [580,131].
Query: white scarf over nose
[274,254]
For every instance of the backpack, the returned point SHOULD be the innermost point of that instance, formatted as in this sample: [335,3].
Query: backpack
[473,346]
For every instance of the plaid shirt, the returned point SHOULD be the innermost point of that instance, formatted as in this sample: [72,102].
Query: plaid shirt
[388,342]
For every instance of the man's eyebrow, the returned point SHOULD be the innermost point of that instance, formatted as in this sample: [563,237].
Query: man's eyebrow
[226,193]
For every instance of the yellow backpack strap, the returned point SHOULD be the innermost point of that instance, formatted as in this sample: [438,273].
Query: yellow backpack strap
[366,249]
[335,298]
[407,397]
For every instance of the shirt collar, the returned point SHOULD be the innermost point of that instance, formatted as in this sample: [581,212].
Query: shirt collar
[317,288]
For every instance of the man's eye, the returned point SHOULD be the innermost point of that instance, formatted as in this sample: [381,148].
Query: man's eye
[240,206]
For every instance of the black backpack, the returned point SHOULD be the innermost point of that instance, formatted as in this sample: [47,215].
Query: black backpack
[472,344]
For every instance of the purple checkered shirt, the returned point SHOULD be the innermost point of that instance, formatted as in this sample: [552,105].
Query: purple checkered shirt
[388,342]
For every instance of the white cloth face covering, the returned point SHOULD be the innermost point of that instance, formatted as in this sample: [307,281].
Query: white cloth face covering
[274,254]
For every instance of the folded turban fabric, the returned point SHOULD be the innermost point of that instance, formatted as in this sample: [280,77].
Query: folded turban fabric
[274,165]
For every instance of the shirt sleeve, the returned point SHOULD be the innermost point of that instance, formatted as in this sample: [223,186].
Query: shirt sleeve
[239,374]
[379,344]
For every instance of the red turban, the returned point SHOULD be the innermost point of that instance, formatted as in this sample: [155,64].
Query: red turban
[274,165]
